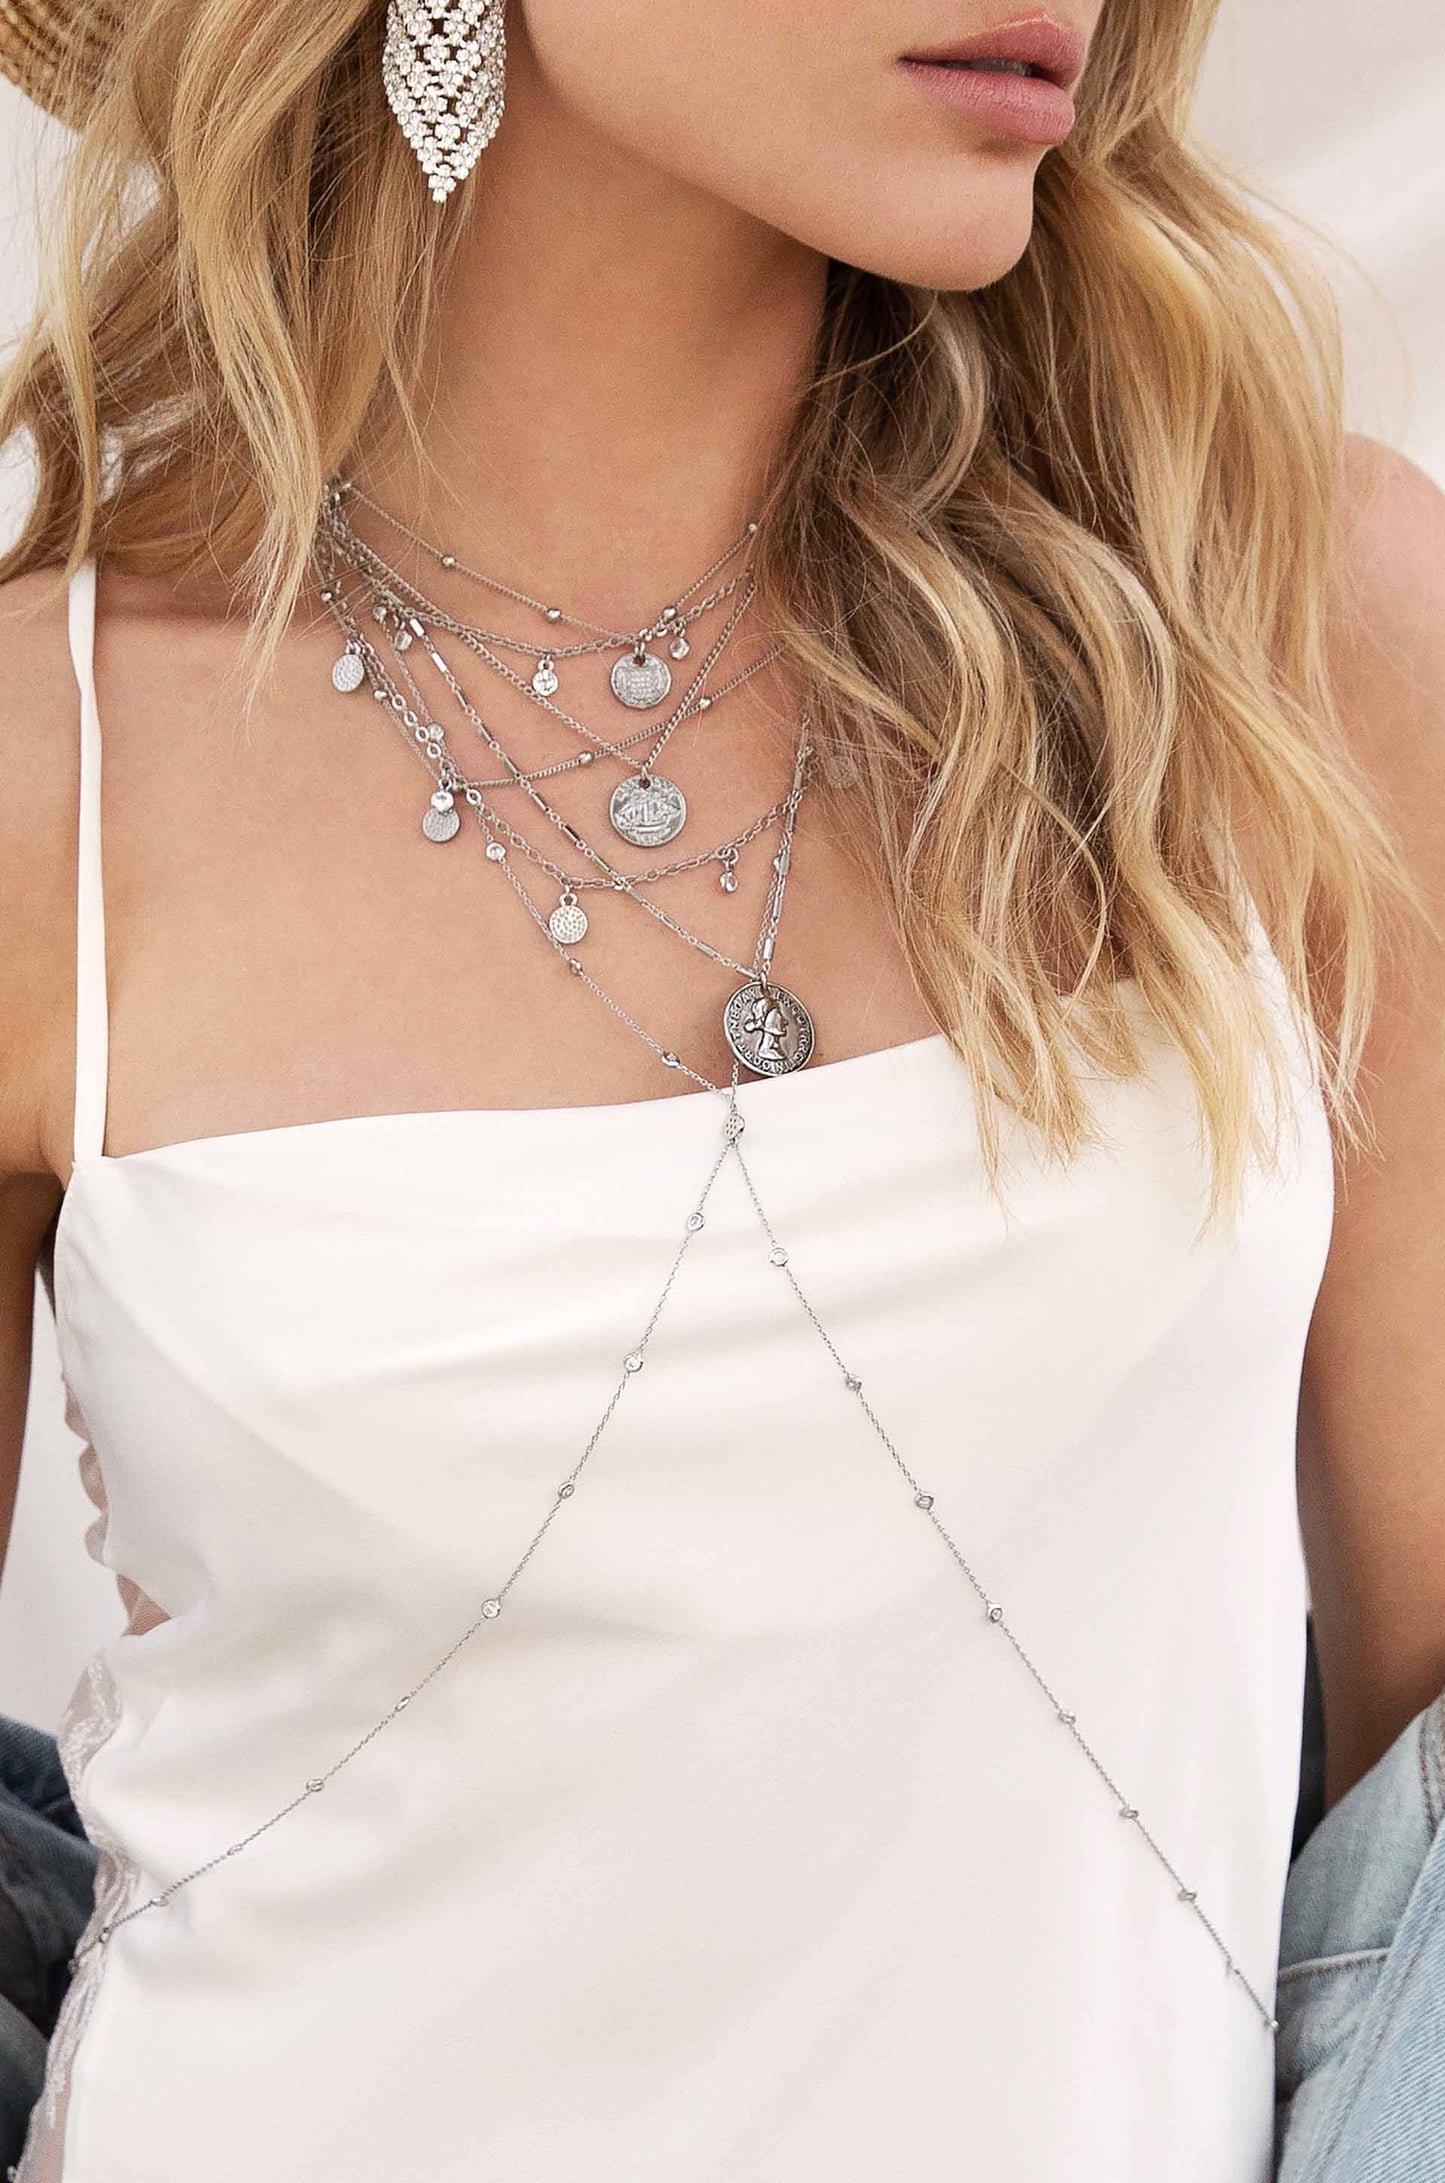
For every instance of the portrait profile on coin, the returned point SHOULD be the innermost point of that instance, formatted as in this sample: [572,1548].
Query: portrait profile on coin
[768,1029]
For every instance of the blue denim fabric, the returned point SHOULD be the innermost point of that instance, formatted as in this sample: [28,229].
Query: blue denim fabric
[1361,2049]
[47,1876]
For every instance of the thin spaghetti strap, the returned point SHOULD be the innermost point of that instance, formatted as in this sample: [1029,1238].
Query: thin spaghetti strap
[92,1015]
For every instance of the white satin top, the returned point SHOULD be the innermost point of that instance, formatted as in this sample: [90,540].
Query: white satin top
[740,1848]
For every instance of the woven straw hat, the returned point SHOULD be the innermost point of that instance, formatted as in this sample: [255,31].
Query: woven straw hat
[55,49]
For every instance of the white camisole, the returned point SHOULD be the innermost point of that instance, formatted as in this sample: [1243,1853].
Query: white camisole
[740,1849]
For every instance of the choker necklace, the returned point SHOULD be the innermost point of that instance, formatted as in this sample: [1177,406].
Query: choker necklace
[639,679]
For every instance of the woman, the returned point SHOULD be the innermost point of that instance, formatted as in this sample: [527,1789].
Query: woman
[688,1280]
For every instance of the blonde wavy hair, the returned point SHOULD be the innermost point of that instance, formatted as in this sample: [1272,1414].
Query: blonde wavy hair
[1053,556]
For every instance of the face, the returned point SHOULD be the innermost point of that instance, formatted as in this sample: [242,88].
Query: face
[901,136]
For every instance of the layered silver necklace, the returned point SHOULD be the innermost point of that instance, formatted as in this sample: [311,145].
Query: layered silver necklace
[766,1037]
[647,809]
[639,679]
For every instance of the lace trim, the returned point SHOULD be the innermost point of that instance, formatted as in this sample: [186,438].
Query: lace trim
[89,1721]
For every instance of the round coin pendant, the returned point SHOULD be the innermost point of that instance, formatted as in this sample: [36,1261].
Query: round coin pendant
[442,819]
[349,672]
[648,810]
[768,1029]
[641,680]
[568,922]
[544,681]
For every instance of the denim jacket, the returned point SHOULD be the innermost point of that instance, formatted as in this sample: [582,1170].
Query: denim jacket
[1361,2007]
[1360,2058]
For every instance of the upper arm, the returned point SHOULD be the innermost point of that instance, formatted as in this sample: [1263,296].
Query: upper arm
[38,785]
[1372,1475]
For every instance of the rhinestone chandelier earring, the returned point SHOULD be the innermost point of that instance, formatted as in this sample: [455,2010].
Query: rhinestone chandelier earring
[444,67]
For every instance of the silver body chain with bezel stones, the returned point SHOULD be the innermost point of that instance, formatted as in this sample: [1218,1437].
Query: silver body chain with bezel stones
[776,1047]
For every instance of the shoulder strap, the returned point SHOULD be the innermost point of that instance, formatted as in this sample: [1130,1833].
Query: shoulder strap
[92,1026]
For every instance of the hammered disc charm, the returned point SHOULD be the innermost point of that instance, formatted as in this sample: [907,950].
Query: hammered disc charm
[641,680]
[349,672]
[768,1029]
[544,681]
[648,810]
[442,819]
[568,922]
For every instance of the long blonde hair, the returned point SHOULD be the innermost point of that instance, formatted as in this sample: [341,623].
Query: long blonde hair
[1052,555]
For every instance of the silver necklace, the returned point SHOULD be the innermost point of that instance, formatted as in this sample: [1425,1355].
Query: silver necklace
[647,809]
[639,678]
[783,1029]
[544,679]
[995,1619]
[674,623]
[568,922]
[349,674]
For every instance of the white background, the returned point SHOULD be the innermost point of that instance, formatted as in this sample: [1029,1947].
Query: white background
[1337,110]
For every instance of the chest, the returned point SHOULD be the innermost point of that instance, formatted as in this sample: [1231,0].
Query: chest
[287,945]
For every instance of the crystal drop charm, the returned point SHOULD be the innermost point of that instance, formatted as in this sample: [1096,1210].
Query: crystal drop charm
[444,69]
[544,681]
[679,647]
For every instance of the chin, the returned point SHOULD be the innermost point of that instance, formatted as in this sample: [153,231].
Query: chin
[964,240]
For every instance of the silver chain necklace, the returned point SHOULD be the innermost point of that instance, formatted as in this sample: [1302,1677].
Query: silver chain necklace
[639,679]
[647,809]
[568,922]
[995,1619]
[349,674]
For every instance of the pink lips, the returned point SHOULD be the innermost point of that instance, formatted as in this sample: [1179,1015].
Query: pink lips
[1033,109]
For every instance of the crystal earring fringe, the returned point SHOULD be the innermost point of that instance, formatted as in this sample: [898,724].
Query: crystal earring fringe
[444,69]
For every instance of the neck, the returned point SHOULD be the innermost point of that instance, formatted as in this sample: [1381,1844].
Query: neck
[614,360]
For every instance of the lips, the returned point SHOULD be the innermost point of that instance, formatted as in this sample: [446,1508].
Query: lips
[1011,82]
[1035,46]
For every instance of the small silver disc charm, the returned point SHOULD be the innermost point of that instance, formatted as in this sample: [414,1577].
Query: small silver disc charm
[442,819]
[349,672]
[768,1029]
[544,681]
[648,810]
[568,922]
[641,680]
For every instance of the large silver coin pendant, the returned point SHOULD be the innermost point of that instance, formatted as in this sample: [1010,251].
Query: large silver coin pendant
[641,680]
[648,810]
[768,1029]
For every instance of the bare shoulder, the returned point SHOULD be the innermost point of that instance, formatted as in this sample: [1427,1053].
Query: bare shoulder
[39,734]
[1387,629]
